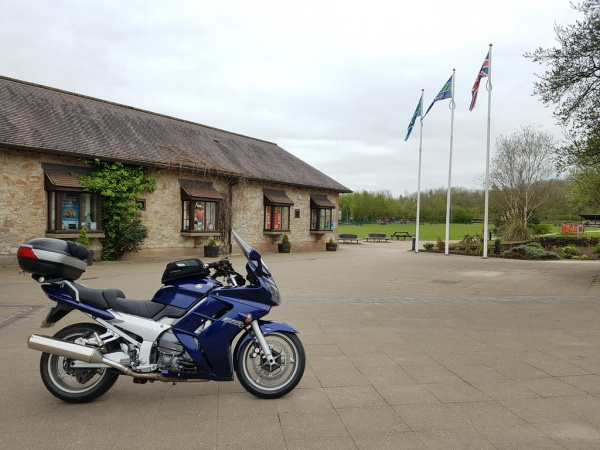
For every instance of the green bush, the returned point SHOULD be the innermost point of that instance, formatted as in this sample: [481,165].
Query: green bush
[497,247]
[535,245]
[428,246]
[570,251]
[527,252]
[597,249]
[127,239]
[83,238]
[540,228]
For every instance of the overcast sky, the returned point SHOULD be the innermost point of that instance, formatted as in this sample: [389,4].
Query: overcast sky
[333,82]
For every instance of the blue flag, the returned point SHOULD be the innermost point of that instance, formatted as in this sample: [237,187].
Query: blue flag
[418,112]
[446,92]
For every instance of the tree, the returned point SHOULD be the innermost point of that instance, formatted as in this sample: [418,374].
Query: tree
[522,173]
[572,83]
[119,186]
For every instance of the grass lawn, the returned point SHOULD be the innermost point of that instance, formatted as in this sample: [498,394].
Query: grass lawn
[433,232]
[426,232]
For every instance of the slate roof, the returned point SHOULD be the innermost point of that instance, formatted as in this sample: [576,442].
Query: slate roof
[40,118]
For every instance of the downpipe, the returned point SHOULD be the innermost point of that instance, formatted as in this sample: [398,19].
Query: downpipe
[91,355]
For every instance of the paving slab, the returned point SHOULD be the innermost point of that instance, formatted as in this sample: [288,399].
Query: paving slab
[404,350]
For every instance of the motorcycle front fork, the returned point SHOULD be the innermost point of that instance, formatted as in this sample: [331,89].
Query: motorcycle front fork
[262,342]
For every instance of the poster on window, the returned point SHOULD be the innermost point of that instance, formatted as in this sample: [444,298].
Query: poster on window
[277,218]
[70,212]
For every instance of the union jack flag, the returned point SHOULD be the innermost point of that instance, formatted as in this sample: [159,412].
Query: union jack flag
[483,72]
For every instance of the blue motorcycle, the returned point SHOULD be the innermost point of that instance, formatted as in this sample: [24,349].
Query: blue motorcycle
[184,334]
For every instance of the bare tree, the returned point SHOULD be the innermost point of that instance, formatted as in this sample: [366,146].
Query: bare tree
[523,172]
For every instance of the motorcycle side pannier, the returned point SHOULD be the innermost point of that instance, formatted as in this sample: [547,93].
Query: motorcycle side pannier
[186,268]
[53,258]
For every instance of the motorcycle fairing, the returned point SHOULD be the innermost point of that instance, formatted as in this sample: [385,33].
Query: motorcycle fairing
[183,294]
[267,327]
[211,347]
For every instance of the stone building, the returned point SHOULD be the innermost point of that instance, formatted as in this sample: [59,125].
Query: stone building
[209,181]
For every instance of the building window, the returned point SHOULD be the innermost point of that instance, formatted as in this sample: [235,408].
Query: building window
[69,208]
[277,210]
[71,211]
[199,215]
[321,213]
[200,206]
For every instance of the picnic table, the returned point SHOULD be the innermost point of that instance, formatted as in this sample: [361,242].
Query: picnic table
[376,236]
[401,234]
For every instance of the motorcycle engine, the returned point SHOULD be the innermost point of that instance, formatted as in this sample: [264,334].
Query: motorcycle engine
[171,354]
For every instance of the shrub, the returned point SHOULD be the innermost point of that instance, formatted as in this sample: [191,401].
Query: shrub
[286,240]
[83,238]
[527,252]
[428,246]
[570,251]
[540,228]
[597,249]
[127,239]
[119,186]
[535,245]
[441,245]
[497,246]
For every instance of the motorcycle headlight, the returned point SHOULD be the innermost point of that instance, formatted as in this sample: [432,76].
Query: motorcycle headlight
[275,297]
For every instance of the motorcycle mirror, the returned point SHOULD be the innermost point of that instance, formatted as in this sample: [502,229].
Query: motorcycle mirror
[254,255]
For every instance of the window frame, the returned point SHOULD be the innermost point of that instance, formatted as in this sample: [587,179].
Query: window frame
[321,213]
[273,201]
[193,192]
[58,182]
[191,207]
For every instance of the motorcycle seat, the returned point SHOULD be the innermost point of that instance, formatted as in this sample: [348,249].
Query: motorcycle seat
[115,299]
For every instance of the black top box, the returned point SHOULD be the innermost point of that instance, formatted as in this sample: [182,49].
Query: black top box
[53,258]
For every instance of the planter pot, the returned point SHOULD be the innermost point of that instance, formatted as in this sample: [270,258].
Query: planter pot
[331,247]
[211,252]
[283,248]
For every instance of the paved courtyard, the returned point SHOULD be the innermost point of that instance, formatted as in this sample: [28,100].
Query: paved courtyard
[404,351]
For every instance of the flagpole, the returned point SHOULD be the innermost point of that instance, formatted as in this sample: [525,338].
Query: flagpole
[452,106]
[419,177]
[487,159]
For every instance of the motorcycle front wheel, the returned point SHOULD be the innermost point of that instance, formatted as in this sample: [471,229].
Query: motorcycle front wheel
[262,380]
[75,385]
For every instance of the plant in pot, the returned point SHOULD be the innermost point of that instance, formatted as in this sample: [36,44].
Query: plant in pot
[84,240]
[285,245]
[331,245]
[212,249]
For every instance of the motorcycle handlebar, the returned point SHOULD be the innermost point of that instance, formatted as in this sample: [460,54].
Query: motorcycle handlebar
[222,263]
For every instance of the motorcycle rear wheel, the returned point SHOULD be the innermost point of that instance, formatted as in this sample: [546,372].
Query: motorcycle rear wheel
[254,373]
[75,385]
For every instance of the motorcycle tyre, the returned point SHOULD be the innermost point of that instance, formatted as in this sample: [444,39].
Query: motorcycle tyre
[49,368]
[246,380]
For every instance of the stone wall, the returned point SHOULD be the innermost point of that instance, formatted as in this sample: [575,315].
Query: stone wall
[248,217]
[23,210]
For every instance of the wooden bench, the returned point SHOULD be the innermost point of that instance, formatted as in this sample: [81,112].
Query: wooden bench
[401,234]
[376,236]
[348,237]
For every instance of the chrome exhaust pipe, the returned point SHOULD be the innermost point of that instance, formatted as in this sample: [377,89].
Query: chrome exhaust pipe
[65,349]
[89,355]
